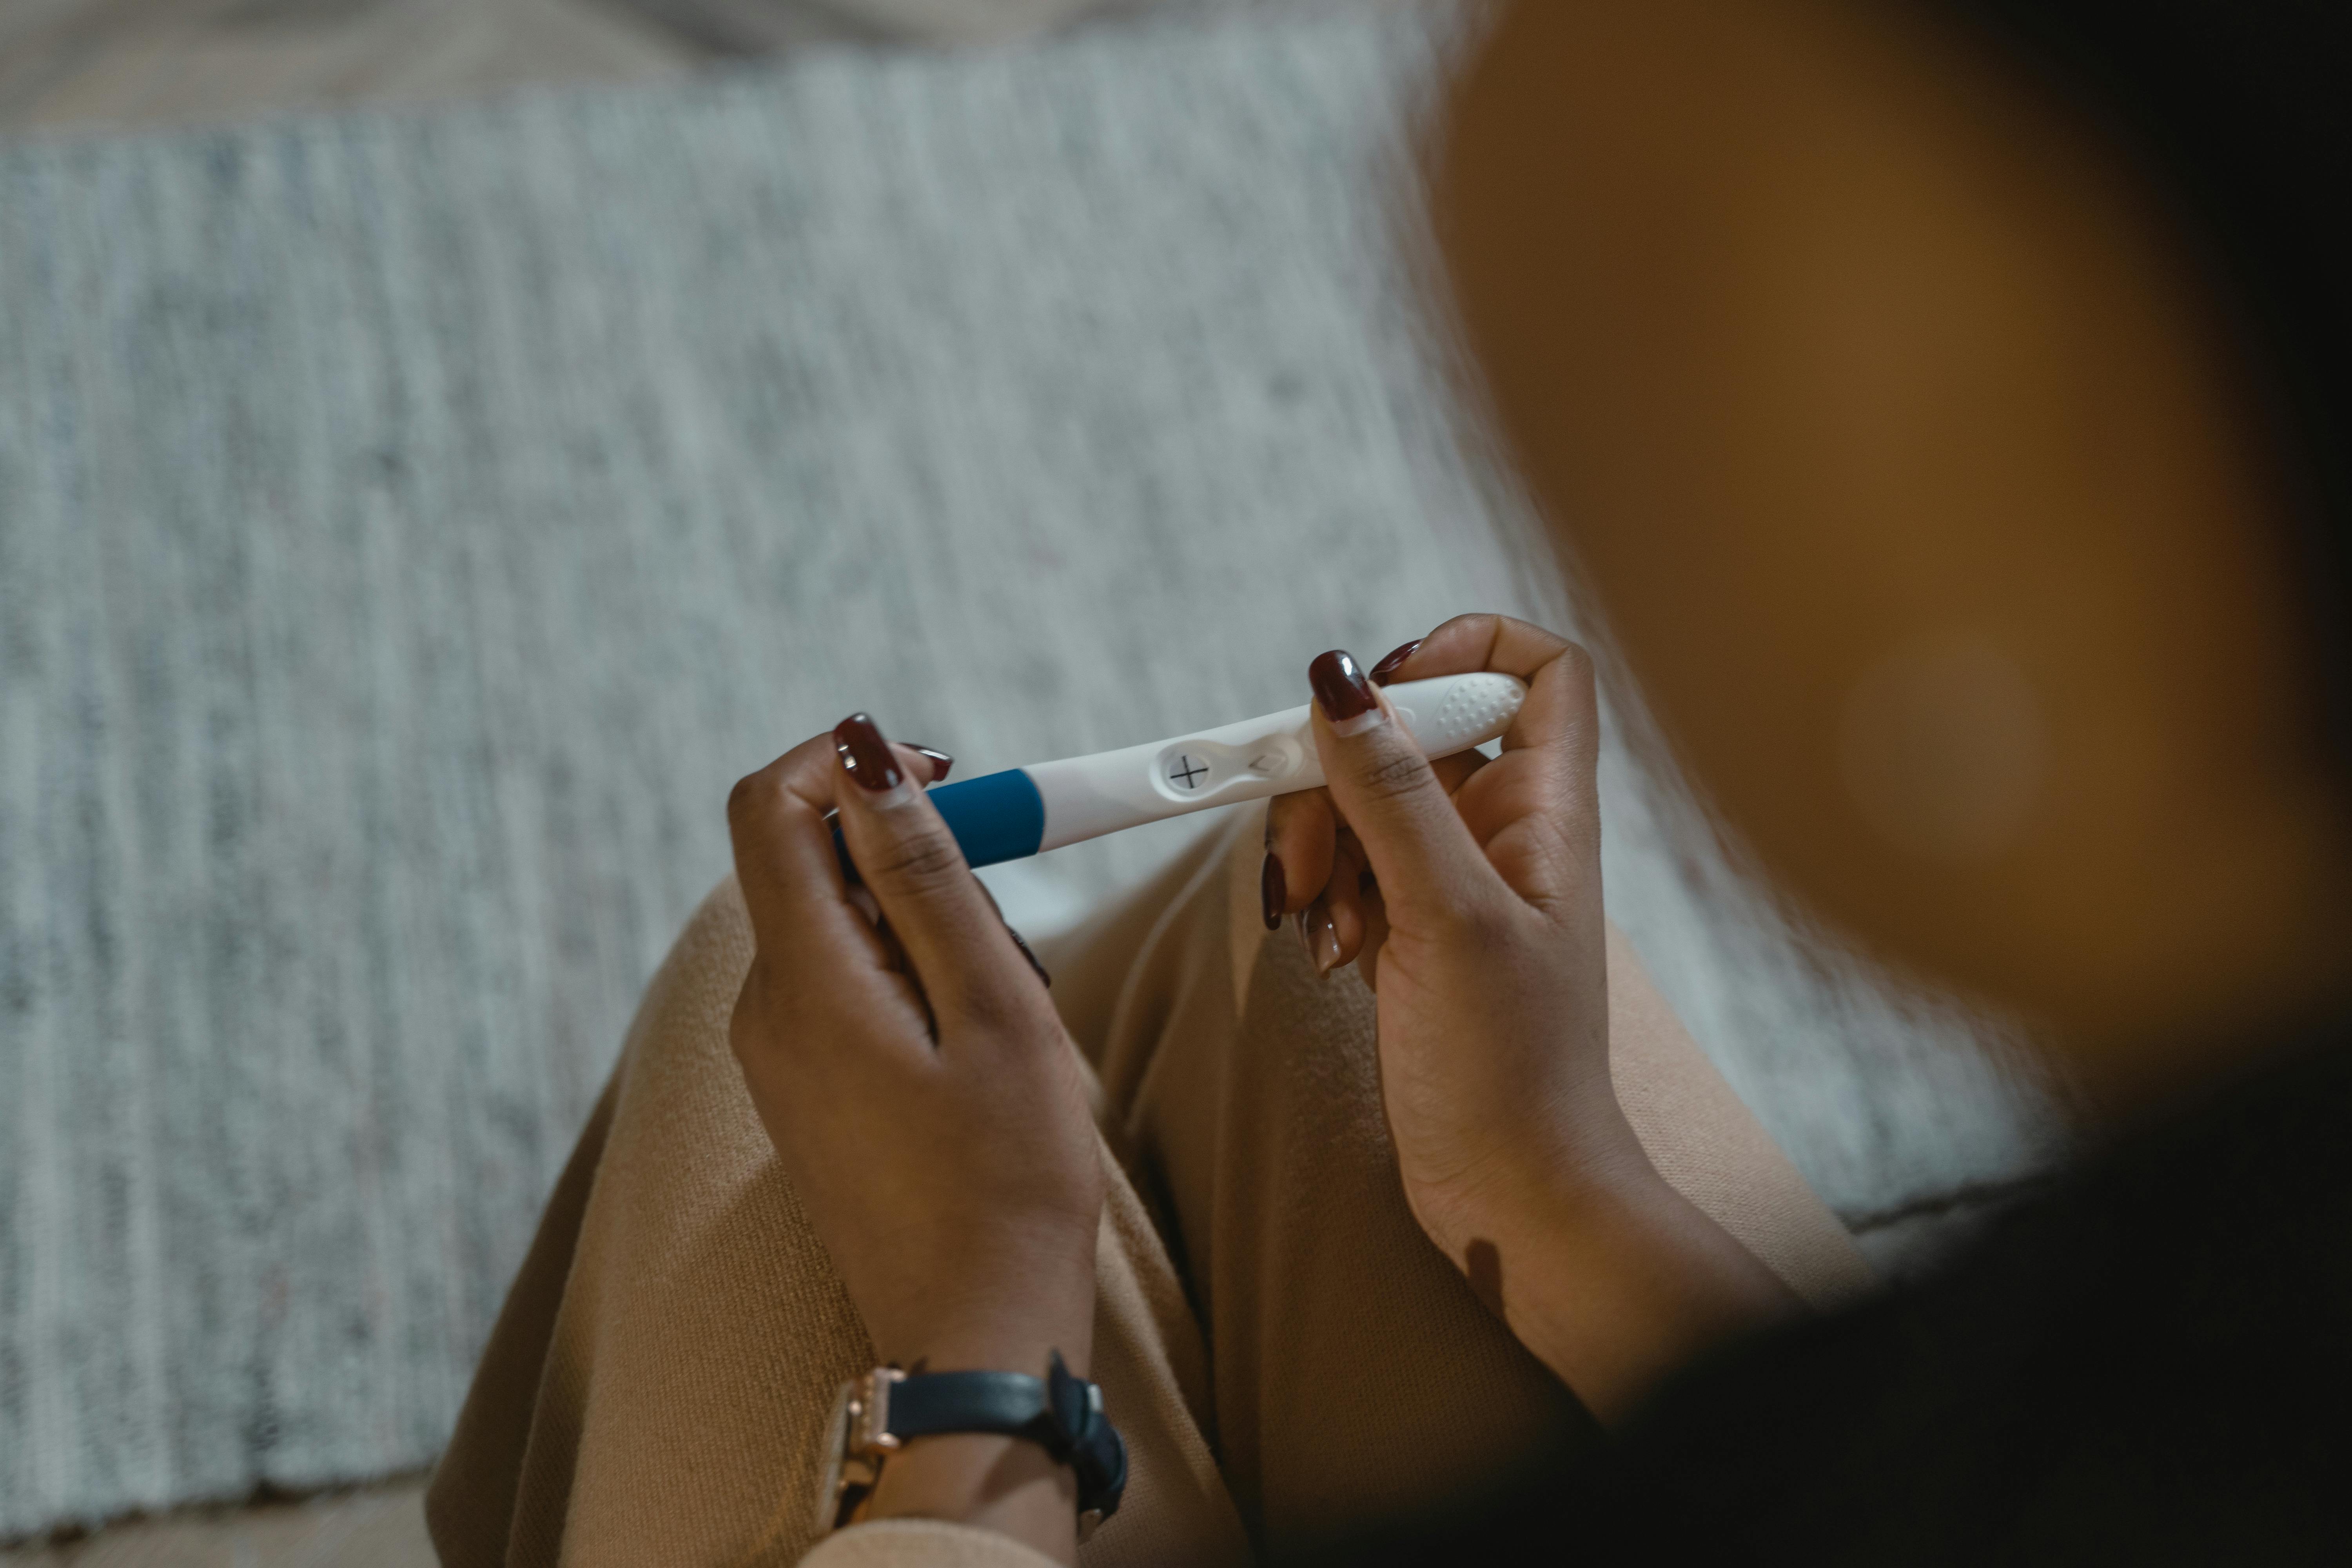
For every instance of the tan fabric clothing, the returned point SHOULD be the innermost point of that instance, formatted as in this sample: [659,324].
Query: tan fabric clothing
[897,1542]
[1288,1357]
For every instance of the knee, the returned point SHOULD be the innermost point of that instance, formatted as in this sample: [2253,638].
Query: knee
[687,1005]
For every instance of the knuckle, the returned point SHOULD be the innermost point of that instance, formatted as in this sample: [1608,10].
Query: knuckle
[754,792]
[739,798]
[1400,775]
[921,861]
[992,1010]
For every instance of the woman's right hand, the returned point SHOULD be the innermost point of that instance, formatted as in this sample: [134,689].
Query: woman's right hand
[1470,892]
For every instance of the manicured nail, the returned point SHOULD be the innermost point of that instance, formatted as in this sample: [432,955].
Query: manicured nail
[1319,938]
[1385,671]
[1273,892]
[867,757]
[1345,696]
[941,761]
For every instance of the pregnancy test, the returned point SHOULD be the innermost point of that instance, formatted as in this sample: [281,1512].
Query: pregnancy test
[1027,811]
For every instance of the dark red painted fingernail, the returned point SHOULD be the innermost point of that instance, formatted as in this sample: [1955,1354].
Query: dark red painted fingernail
[865,754]
[1273,891]
[1385,671]
[941,761]
[1340,687]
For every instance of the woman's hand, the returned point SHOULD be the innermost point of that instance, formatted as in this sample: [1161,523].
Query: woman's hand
[1471,890]
[924,1101]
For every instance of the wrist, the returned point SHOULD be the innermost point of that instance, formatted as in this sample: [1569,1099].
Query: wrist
[1540,1179]
[1523,1239]
[1009,1319]
[1003,1450]
[1006,1484]
[1611,1278]
[1012,1340]
[1007,1310]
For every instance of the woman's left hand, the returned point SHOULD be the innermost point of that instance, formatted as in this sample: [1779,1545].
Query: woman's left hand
[1483,916]
[920,1090]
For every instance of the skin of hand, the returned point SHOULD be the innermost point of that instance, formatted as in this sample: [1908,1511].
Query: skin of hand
[925,1102]
[1481,931]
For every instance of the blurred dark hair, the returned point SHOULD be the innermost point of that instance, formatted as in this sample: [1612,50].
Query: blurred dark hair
[2239,112]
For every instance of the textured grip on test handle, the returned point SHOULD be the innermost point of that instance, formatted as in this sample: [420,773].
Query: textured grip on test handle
[1469,709]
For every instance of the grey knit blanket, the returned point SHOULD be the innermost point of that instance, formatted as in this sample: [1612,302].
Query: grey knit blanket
[411,524]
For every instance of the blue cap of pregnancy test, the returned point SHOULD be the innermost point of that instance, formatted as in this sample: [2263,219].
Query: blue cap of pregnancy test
[997,817]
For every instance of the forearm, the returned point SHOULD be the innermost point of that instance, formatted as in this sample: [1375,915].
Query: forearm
[1619,1275]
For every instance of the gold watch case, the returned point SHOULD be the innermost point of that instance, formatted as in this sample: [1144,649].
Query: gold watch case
[858,1440]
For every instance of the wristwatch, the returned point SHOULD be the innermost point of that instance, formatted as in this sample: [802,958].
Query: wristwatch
[879,1413]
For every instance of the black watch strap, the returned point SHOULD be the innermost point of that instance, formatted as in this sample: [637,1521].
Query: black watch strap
[1061,1412]
[926,1404]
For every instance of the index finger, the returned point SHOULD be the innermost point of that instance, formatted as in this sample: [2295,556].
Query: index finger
[1536,809]
[784,858]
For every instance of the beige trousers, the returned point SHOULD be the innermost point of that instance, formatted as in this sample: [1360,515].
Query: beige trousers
[1291,1360]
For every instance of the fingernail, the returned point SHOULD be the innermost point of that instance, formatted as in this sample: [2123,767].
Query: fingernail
[1343,693]
[1043,978]
[1385,671]
[940,762]
[867,757]
[1318,936]
[1273,891]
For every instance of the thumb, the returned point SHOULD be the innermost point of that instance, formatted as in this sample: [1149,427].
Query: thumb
[1427,861]
[960,947]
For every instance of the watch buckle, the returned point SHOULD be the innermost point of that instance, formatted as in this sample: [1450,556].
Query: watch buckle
[866,1440]
[869,1414]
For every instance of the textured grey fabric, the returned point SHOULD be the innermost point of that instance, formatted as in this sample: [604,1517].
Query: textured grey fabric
[409,526]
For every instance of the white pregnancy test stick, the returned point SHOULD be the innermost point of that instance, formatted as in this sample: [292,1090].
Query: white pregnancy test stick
[1023,811]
